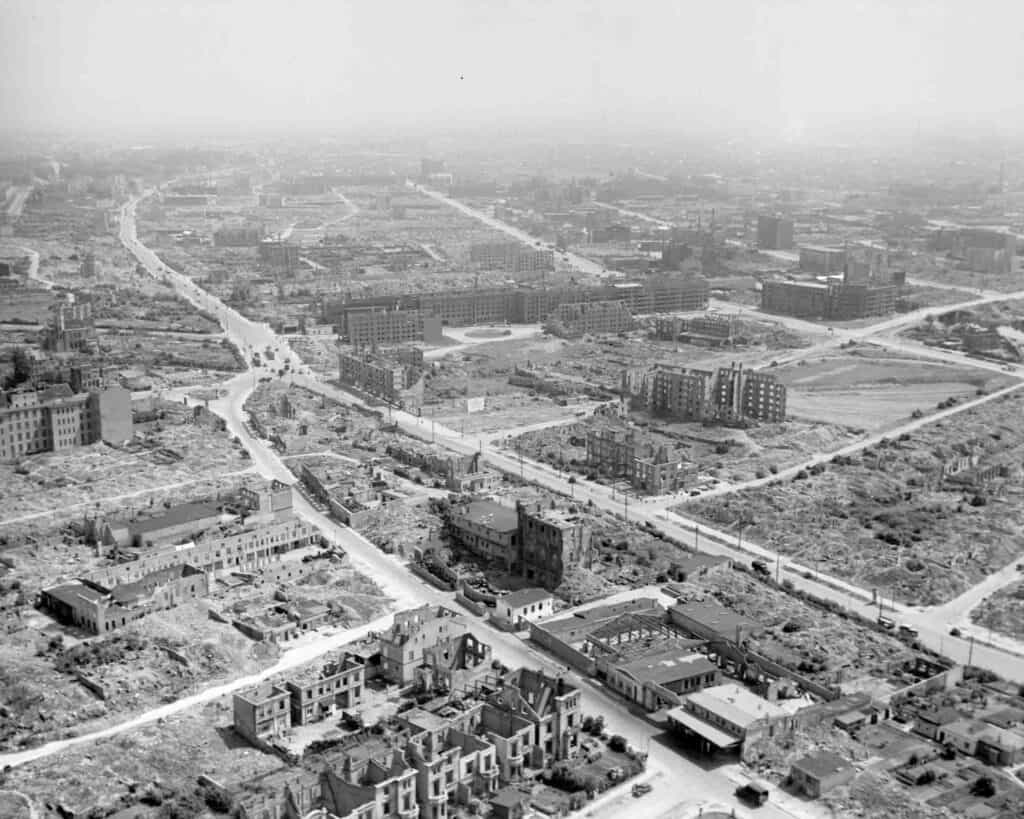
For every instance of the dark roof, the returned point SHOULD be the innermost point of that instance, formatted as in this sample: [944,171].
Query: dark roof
[492,514]
[71,593]
[525,597]
[823,764]
[717,617]
[668,666]
[175,516]
[940,716]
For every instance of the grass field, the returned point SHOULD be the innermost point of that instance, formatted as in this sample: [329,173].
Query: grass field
[872,390]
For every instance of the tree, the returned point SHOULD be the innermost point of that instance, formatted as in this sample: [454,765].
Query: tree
[984,787]
[618,744]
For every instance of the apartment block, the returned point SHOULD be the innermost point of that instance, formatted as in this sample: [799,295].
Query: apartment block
[549,707]
[626,455]
[56,419]
[72,328]
[382,377]
[732,394]
[263,714]
[551,542]
[667,293]
[512,257]
[580,319]
[838,301]
[279,255]
[774,233]
[822,260]
[321,692]
[378,328]
[238,236]
[453,763]
[536,543]
[711,329]
[429,645]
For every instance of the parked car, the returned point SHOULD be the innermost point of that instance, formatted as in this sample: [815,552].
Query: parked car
[642,788]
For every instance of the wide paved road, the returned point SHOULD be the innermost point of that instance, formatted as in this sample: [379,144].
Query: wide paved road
[687,779]
[582,263]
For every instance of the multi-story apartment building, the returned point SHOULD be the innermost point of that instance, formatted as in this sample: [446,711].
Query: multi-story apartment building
[512,257]
[774,233]
[263,714]
[710,328]
[381,327]
[649,469]
[839,301]
[279,255]
[319,693]
[654,294]
[56,419]
[551,541]
[536,543]
[453,764]
[579,319]
[72,328]
[731,394]
[822,260]
[238,236]
[551,709]
[429,644]
[381,376]
[741,394]
[683,393]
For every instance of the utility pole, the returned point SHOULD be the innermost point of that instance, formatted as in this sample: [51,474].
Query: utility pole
[696,537]
[970,652]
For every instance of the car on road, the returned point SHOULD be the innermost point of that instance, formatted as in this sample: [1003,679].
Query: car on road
[755,792]
[642,789]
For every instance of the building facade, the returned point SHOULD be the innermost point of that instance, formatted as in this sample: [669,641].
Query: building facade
[774,233]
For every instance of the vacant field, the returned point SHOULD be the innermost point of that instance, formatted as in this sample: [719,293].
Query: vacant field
[164,757]
[872,389]
[887,518]
[306,422]
[1003,611]
[175,453]
[728,454]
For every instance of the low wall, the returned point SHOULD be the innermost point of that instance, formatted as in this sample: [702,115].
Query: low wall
[476,608]
[563,651]
[430,577]
[92,685]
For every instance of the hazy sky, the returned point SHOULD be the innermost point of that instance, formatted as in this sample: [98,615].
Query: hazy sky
[780,64]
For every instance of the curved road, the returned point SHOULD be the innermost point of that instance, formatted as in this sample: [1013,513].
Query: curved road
[690,781]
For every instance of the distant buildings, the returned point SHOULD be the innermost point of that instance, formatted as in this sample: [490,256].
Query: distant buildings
[394,376]
[279,255]
[55,419]
[238,236]
[838,301]
[626,455]
[512,257]
[822,260]
[536,543]
[171,558]
[666,293]
[774,233]
[730,395]
[711,328]
[598,317]
[72,328]
[381,327]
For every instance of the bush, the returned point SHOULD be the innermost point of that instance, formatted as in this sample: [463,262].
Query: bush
[984,787]
[618,744]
